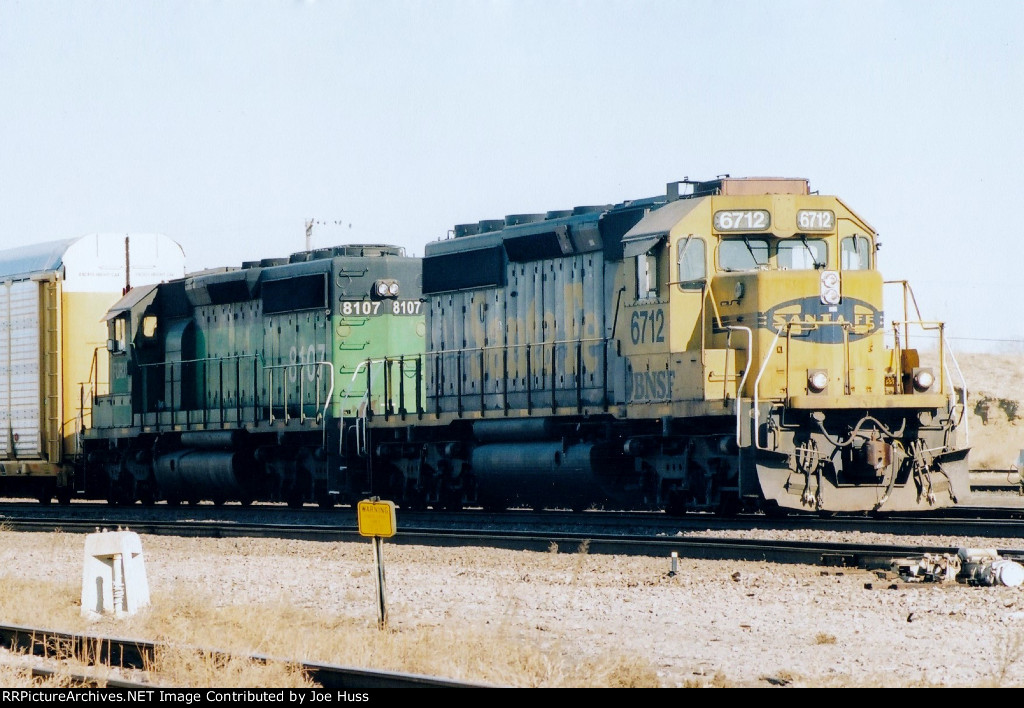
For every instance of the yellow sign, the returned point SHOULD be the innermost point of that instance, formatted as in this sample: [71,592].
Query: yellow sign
[376,518]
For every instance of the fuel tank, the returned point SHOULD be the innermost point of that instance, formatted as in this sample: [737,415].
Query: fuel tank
[205,474]
[538,474]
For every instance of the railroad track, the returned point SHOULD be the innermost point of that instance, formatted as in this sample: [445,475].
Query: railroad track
[138,655]
[652,543]
[1004,480]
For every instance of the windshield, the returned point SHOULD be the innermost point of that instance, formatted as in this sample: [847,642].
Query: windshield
[743,254]
[803,254]
[746,253]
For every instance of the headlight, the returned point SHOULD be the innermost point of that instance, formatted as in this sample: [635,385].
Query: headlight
[923,379]
[830,291]
[817,380]
[382,289]
[393,290]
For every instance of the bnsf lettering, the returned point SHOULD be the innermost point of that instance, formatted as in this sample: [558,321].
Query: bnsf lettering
[649,386]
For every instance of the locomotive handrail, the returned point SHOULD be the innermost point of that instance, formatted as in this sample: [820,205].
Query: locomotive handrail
[434,358]
[757,389]
[93,384]
[301,380]
[926,325]
[464,350]
[788,327]
[236,358]
[743,379]
[705,290]
[963,395]
[578,342]
[364,406]
[94,370]
[908,298]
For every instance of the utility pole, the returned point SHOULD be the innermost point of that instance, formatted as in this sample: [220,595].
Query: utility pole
[309,229]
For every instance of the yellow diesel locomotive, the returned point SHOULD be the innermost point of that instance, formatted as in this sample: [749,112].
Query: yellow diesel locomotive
[722,347]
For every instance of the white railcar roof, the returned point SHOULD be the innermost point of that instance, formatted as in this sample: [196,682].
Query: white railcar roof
[23,261]
[97,262]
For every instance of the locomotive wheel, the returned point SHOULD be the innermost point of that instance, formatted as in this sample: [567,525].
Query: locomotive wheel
[116,496]
[450,501]
[415,499]
[676,504]
[63,496]
[325,501]
[729,506]
[45,499]
[173,501]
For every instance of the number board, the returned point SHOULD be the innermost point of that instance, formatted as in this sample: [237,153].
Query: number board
[742,220]
[376,518]
[372,308]
[816,219]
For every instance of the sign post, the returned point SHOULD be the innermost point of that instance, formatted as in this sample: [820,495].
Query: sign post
[377,520]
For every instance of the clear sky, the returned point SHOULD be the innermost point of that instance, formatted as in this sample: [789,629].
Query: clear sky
[228,124]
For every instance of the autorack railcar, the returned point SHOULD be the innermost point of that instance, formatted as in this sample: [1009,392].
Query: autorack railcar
[53,297]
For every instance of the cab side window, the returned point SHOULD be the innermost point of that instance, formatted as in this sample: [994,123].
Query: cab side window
[118,341]
[647,275]
[855,253]
[691,263]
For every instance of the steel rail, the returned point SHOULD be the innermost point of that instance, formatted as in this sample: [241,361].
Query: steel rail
[699,547]
[139,654]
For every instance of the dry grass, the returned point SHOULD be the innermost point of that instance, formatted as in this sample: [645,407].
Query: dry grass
[1008,658]
[717,680]
[181,666]
[13,676]
[490,654]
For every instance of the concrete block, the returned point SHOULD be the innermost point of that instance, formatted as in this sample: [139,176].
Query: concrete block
[113,574]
